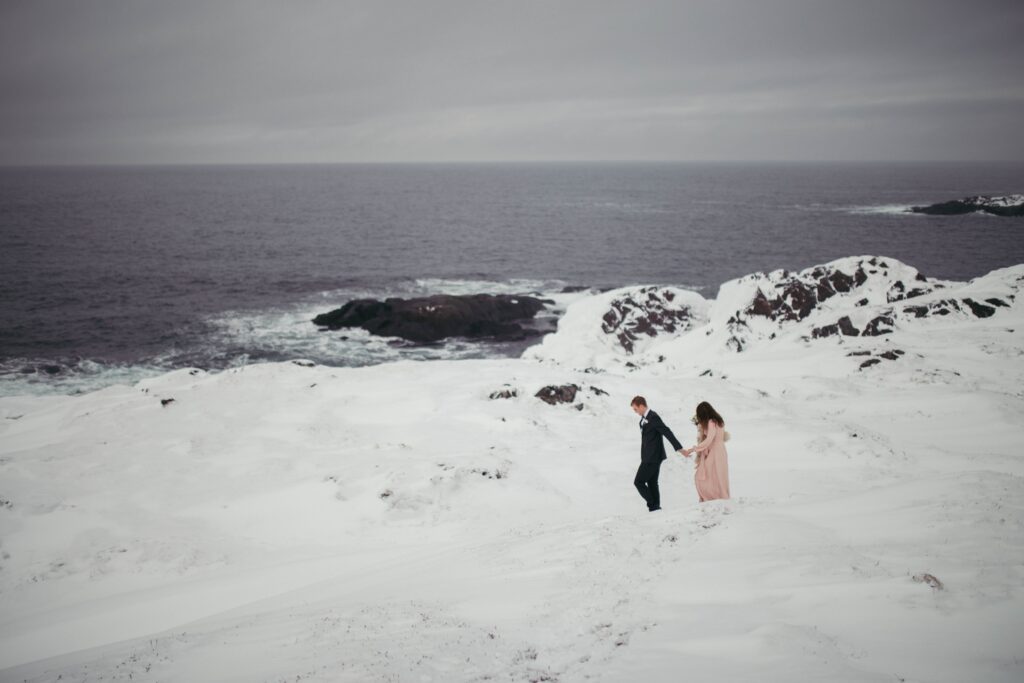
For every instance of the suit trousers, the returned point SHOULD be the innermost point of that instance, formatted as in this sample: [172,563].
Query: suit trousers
[646,483]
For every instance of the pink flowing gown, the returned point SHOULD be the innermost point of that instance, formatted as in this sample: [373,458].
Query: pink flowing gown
[712,475]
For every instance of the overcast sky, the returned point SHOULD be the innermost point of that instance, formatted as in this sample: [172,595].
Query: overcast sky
[171,81]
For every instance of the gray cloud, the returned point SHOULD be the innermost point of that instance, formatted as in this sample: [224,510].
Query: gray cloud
[155,82]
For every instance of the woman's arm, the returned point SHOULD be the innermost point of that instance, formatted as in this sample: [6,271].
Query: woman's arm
[706,443]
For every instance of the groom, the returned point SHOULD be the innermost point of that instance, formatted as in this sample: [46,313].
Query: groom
[652,451]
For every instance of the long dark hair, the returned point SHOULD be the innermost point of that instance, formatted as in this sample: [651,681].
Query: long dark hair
[705,413]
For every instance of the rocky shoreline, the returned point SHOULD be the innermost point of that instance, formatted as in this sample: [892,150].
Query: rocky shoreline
[1006,206]
[425,320]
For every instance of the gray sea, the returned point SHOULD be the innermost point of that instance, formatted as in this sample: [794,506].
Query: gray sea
[111,274]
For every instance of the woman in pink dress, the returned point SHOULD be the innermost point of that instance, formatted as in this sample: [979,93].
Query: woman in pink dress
[712,476]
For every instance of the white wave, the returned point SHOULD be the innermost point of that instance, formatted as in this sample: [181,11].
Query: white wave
[29,377]
[889,209]
[290,333]
[234,338]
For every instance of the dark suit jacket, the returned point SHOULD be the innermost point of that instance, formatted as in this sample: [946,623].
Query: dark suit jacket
[652,448]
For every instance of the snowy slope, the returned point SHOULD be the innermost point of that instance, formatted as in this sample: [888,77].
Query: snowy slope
[283,522]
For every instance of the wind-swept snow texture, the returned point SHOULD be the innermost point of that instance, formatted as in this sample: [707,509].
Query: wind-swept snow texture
[294,522]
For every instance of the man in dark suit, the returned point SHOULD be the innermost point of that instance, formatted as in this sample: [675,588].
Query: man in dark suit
[652,452]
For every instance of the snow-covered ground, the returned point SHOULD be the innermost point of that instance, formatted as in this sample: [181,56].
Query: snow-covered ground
[278,522]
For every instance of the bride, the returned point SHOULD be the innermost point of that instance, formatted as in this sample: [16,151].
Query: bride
[712,475]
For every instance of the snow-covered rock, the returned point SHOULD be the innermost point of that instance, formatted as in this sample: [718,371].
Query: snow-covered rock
[866,296]
[609,327]
[765,305]
[1007,205]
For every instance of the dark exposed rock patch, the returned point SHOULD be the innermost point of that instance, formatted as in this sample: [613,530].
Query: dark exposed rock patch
[900,291]
[947,306]
[797,296]
[166,401]
[646,312]
[843,326]
[49,369]
[892,354]
[944,307]
[434,318]
[978,309]
[1008,206]
[929,580]
[554,395]
[504,392]
[490,474]
[878,326]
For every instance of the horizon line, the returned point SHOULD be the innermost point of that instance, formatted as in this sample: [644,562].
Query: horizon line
[496,162]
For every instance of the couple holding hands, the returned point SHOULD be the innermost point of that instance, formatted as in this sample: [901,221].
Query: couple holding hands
[712,475]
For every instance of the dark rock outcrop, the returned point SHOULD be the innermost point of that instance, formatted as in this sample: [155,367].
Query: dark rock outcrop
[558,394]
[504,392]
[892,354]
[430,319]
[978,309]
[890,292]
[929,580]
[997,206]
[899,291]
[648,312]
[797,297]
[844,325]
[947,306]
[879,326]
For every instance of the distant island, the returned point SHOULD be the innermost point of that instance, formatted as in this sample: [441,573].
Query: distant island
[1009,205]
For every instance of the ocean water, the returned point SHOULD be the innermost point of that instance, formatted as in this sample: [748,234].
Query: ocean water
[110,274]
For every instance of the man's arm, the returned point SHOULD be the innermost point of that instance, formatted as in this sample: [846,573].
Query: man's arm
[663,429]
